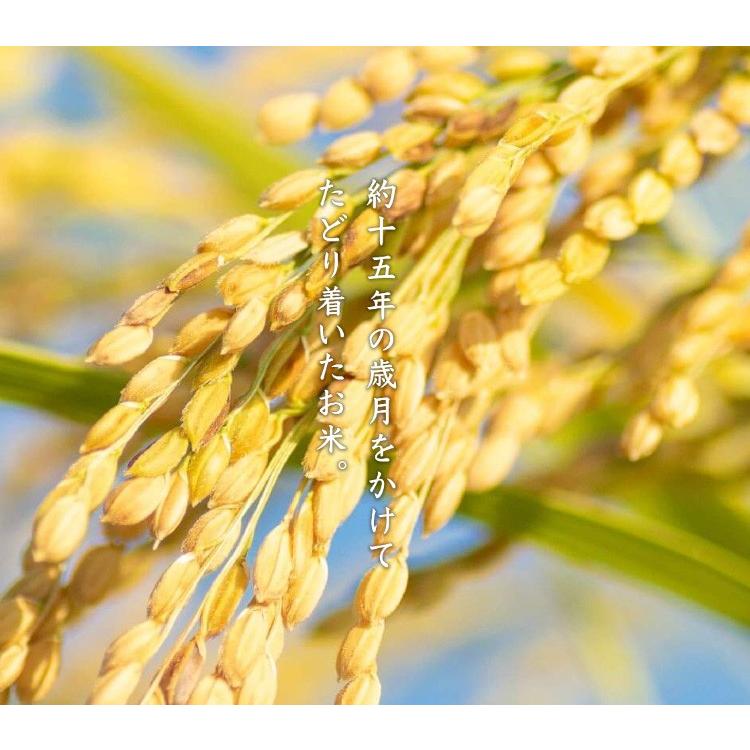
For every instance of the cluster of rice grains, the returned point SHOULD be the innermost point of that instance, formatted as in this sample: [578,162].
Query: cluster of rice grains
[481,156]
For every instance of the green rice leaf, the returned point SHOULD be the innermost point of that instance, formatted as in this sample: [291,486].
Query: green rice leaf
[182,108]
[609,539]
[686,563]
[58,385]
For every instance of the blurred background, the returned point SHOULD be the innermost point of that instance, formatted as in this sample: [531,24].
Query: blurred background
[114,162]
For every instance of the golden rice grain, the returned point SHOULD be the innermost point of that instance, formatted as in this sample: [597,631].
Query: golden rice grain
[517,62]
[96,572]
[193,271]
[332,501]
[41,668]
[112,426]
[259,688]
[714,133]
[221,602]
[288,306]
[584,58]
[641,437]
[650,197]
[477,210]
[416,461]
[381,590]
[117,685]
[582,256]
[233,236]
[244,643]
[174,583]
[406,509]
[680,160]
[199,332]
[247,279]
[172,509]
[273,564]
[607,174]
[183,672]
[359,651]
[17,617]
[443,501]
[388,74]
[294,190]
[588,95]
[238,480]
[412,381]
[353,151]
[530,204]
[540,281]
[206,466]
[363,690]
[433,108]
[536,171]
[734,99]
[214,365]
[246,325]
[446,178]
[513,246]
[59,531]
[200,415]
[134,645]
[305,591]
[357,400]
[134,500]
[97,471]
[288,118]
[610,218]
[492,462]
[452,374]
[675,402]
[571,155]
[149,308]
[410,141]
[161,456]
[442,58]
[212,691]
[615,61]
[120,345]
[12,660]
[154,378]
[344,104]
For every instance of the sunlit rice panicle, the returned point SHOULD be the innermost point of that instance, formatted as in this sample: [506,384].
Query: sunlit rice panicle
[700,332]
[209,541]
[157,485]
[386,75]
[133,334]
[646,200]
[549,124]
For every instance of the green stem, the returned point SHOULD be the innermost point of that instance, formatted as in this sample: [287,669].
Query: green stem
[631,544]
[56,384]
[594,535]
[203,121]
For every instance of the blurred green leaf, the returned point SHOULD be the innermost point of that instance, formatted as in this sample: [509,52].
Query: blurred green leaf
[180,107]
[683,559]
[635,546]
[56,384]
[690,502]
